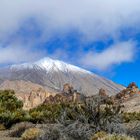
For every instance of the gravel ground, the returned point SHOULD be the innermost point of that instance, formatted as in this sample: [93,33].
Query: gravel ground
[4,136]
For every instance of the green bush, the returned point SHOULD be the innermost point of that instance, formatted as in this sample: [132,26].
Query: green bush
[9,101]
[134,116]
[10,108]
[45,113]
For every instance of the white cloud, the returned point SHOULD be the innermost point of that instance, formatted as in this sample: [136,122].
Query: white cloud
[16,53]
[94,19]
[115,54]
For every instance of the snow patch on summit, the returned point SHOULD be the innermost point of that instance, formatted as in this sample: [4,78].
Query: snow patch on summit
[48,65]
[51,64]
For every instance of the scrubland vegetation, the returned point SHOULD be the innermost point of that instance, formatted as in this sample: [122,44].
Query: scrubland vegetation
[97,119]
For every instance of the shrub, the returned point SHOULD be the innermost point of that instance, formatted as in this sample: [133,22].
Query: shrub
[100,112]
[79,131]
[51,134]
[9,101]
[99,135]
[45,113]
[118,137]
[18,129]
[31,134]
[2,127]
[10,108]
[134,129]
[131,116]
[104,136]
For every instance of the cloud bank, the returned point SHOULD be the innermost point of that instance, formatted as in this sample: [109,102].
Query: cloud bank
[95,20]
[115,54]
[17,54]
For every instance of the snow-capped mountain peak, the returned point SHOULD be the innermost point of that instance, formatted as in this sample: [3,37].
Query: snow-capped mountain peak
[49,64]
[53,74]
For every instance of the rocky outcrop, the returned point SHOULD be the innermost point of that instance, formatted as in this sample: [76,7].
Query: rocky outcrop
[102,92]
[31,94]
[67,89]
[129,98]
[130,91]
[67,95]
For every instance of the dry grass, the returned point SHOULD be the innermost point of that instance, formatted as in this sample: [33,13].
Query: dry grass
[31,134]
[104,136]
[2,127]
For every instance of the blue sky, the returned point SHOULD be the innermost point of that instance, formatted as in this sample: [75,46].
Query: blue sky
[100,36]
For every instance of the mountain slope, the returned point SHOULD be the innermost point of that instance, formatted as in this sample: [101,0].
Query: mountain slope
[53,74]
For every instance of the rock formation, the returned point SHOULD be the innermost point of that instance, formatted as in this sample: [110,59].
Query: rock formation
[31,94]
[130,91]
[129,98]
[67,95]
[102,92]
